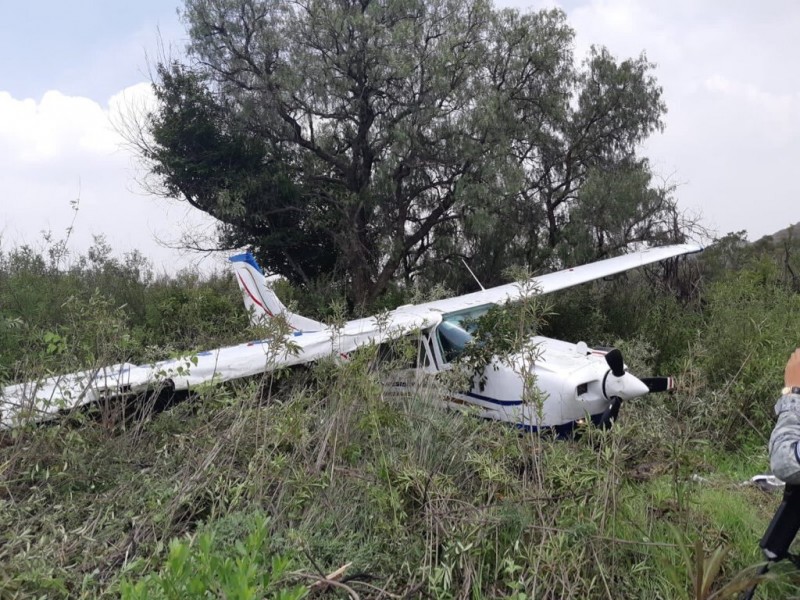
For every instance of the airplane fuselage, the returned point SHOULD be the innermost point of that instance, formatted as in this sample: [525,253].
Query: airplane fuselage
[549,384]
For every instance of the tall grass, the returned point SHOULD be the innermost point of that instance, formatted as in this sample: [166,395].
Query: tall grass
[266,486]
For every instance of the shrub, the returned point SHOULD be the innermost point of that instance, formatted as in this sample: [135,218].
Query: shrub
[200,568]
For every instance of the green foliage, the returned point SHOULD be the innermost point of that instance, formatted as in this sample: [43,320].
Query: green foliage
[95,310]
[420,501]
[198,312]
[386,140]
[202,568]
[752,324]
[578,315]
[619,206]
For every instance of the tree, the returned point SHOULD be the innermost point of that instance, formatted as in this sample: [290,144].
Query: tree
[387,138]
[229,173]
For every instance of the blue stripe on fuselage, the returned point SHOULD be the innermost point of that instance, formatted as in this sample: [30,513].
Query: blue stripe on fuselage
[494,400]
[562,431]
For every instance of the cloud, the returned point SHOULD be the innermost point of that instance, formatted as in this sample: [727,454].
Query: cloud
[778,113]
[733,96]
[731,143]
[54,129]
[63,147]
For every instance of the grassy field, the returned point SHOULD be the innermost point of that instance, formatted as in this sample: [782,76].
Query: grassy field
[420,502]
[262,487]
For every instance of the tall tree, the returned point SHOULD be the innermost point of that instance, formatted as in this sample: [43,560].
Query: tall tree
[396,135]
[228,172]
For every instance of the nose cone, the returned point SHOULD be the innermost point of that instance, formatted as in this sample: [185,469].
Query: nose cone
[626,387]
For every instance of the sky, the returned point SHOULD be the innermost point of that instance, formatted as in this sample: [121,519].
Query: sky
[73,69]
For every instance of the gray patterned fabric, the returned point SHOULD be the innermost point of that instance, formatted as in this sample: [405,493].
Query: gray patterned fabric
[783,443]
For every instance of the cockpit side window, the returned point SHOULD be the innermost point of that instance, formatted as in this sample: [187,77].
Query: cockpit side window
[396,354]
[452,340]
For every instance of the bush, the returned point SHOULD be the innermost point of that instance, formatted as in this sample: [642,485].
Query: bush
[201,568]
[751,324]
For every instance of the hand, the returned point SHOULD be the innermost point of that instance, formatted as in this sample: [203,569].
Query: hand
[791,376]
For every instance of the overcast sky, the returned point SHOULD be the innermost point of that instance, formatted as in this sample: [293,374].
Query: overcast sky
[728,69]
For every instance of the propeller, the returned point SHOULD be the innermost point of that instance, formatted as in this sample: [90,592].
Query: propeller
[617,385]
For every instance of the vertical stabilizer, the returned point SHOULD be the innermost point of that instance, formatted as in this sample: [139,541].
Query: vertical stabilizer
[259,298]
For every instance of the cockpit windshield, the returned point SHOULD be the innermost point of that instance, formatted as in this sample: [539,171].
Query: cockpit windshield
[467,319]
[452,339]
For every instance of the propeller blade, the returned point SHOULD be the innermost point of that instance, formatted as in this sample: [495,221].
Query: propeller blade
[658,384]
[611,413]
[615,362]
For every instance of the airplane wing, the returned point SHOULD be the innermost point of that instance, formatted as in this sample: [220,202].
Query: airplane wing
[559,280]
[42,399]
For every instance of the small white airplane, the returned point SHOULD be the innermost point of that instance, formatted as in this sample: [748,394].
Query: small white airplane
[576,384]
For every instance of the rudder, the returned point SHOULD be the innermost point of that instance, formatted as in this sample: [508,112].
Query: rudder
[260,300]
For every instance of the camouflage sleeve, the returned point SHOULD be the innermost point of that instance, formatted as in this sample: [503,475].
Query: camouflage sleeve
[784,454]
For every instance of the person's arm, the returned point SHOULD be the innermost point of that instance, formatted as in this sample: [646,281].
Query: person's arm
[784,451]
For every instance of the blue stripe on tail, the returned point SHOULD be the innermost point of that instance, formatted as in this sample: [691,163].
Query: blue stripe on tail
[247,258]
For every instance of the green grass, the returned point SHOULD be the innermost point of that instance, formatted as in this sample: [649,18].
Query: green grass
[264,486]
[416,499]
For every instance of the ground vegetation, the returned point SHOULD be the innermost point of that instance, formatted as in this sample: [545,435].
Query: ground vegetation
[263,487]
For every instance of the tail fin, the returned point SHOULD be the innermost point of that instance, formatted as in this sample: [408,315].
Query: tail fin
[259,299]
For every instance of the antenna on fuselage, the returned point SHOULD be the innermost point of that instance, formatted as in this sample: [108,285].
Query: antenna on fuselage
[473,274]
